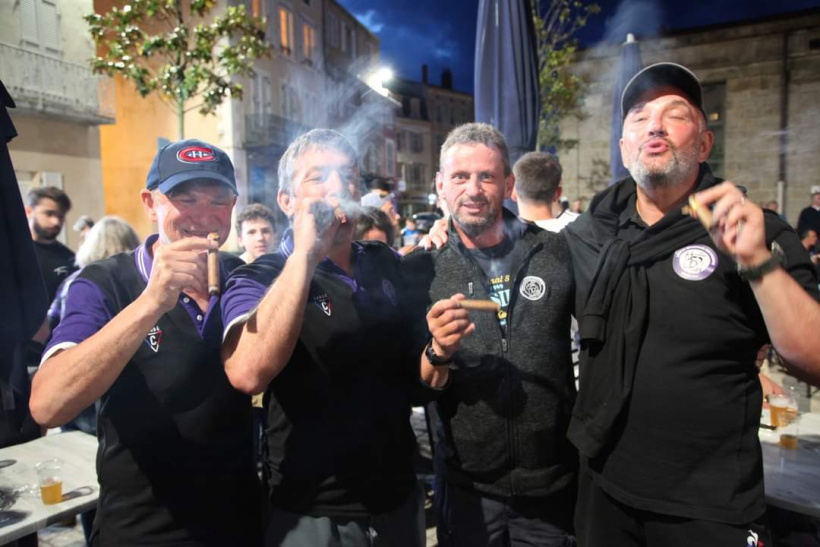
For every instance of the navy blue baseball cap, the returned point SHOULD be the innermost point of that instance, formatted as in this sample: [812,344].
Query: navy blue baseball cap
[190,159]
[662,75]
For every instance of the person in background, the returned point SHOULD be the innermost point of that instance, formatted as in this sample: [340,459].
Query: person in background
[374,225]
[142,334]
[809,218]
[538,191]
[256,231]
[577,206]
[410,234]
[83,224]
[46,209]
[379,198]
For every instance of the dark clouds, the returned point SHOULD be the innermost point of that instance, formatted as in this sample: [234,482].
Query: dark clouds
[441,33]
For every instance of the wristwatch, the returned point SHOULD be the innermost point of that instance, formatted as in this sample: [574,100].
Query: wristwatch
[434,359]
[755,273]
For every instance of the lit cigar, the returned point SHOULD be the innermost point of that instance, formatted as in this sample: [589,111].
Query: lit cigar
[480,305]
[695,209]
[213,266]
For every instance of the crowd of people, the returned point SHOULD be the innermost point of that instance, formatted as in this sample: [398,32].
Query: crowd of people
[275,409]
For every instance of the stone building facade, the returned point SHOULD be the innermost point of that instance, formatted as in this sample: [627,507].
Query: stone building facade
[762,92]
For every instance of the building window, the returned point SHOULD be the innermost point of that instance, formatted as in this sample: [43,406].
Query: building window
[40,24]
[333,30]
[452,115]
[714,103]
[390,152]
[416,143]
[400,141]
[347,34]
[439,113]
[286,31]
[415,108]
[371,50]
[309,43]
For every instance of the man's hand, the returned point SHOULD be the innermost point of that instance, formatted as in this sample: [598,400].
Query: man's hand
[314,228]
[177,266]
[739,228]
[448,323]
[437,237]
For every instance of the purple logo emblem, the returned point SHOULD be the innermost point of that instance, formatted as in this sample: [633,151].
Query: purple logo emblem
[695,262]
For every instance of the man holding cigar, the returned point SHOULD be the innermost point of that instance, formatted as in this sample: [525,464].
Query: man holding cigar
[141,333]
[671,317]
[505,470]
[321,327]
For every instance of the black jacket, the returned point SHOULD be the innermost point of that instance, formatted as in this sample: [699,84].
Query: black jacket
[504,415]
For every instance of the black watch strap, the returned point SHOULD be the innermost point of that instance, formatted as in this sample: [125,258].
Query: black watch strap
[755,273]
[434,359]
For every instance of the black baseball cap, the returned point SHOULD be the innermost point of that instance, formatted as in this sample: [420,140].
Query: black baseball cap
[662,75]
[190,159]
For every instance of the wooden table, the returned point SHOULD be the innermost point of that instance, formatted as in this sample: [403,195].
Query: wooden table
[24,513]
[792,477]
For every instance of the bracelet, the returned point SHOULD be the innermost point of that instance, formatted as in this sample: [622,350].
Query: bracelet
[755,273]
[434,359]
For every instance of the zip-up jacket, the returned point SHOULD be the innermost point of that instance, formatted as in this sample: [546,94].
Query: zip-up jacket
[503,416]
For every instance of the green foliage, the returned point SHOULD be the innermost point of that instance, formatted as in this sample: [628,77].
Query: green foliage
[562,92]
[180,53]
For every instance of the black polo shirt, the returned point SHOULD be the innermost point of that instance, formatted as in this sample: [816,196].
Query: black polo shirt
[687,442]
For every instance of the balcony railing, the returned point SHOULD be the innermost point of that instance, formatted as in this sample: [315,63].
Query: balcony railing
[51,86]
[268,129]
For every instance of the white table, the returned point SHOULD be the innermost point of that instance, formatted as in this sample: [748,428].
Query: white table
[26,514]
[792,477]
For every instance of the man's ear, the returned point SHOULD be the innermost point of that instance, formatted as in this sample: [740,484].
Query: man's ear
[285,201]
[509,184]
[439,183]
[558,192]
[149,203]
[706,143]
[29,211]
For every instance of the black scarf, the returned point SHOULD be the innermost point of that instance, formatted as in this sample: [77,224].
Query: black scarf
[613,321]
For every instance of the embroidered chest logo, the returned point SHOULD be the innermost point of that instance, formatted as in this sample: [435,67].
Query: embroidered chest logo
[532,288]
[154,338]
[389,291]
[324,303]
[695,262]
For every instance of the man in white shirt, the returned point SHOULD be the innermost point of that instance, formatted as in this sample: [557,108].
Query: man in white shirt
[538,191]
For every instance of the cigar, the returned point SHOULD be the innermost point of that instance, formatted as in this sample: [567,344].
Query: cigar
[480,305]
[213,266]
[703,214]
[340,215]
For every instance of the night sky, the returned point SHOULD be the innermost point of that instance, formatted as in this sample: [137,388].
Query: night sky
[441,33]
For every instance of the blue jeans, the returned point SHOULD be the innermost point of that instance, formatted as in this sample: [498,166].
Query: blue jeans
[469,519]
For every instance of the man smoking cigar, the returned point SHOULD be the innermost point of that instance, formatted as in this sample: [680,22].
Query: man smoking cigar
[141,334]
[321,327]
[505,469]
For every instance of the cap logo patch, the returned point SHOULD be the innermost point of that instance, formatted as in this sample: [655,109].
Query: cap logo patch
[695,262]
[196,154]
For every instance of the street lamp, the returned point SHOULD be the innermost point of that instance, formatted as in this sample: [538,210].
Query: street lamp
[376,78]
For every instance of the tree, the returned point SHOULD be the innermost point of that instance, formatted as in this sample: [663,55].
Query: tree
[161,46]
[562,91]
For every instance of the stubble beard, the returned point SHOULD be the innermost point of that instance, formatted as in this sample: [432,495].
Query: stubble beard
[675,172]
[44,234]
[475,226]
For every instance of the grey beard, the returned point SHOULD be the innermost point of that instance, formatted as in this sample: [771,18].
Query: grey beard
[677,172]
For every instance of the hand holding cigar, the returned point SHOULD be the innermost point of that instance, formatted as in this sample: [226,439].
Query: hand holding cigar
[700,212]
[480,305]
[213,266]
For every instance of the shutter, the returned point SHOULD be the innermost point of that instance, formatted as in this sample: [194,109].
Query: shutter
[49,23]
[28,21]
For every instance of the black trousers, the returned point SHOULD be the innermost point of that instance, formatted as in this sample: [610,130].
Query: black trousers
[602,521]
[468,519]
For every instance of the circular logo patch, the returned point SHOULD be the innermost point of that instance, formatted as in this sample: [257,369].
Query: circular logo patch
[695,262]
[532,288]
